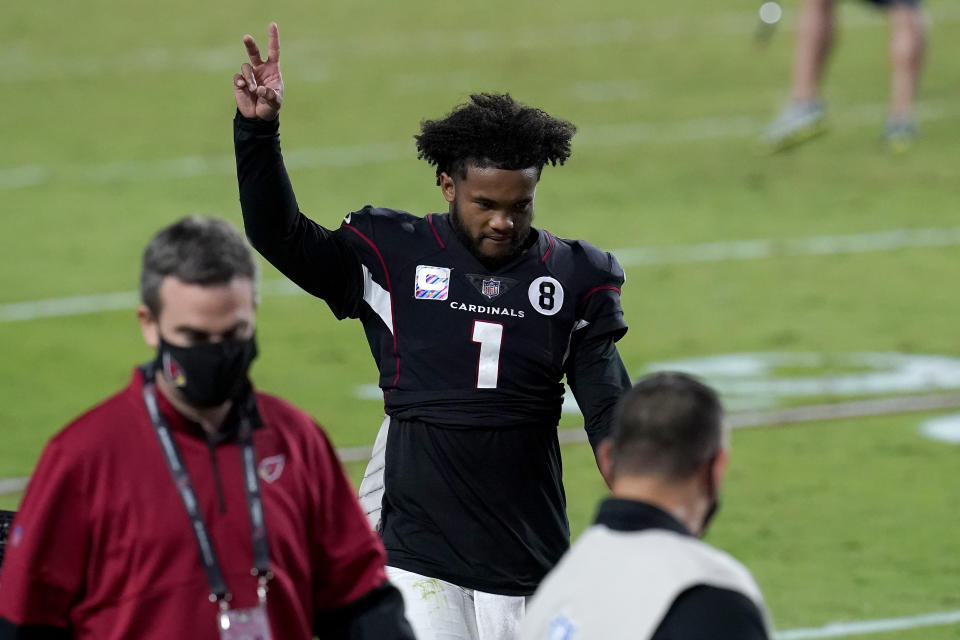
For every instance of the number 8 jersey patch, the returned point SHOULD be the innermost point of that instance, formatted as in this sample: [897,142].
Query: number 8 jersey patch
[546,295]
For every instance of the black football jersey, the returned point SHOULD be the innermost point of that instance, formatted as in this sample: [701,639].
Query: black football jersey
[465,481]
[471,364]
[459,346]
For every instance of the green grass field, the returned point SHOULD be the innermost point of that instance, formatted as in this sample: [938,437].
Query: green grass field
[117,120]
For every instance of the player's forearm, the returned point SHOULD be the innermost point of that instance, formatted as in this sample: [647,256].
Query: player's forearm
[298,247]
[597,378]
[270,213]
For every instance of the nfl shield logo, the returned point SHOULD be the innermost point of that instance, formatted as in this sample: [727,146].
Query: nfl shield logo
[491,288]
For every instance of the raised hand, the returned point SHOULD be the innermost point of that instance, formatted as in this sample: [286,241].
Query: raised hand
[258,88]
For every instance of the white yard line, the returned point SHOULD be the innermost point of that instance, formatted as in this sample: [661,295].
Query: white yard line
[809,246]
[705,129]
[598,135]
[633,257]
[318,59]
[865,627]
[740,420]
[13,485]
[120,300]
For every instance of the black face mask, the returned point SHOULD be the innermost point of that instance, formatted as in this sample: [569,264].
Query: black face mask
[207,374]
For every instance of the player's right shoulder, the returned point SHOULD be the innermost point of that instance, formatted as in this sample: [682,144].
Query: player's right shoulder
[372,220]
[388,234]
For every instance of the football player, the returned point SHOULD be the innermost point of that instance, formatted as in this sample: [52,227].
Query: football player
[474,317]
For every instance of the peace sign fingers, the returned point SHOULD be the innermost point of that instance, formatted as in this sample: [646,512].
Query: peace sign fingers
[273,42]
[253,51]
[258,88]
[273,47]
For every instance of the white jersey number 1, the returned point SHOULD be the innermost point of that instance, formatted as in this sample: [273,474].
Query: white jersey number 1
[490,337]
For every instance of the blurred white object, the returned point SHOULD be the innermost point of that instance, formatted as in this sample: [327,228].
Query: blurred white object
[770,13]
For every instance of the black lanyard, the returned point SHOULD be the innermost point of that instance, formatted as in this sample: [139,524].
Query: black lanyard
[181,479]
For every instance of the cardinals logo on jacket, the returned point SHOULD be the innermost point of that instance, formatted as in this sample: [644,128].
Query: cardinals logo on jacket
[270,468]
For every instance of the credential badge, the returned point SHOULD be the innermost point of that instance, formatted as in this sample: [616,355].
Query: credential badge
[433,283]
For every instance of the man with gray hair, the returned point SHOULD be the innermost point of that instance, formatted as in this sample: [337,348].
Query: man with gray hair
[640,572]
[190,505]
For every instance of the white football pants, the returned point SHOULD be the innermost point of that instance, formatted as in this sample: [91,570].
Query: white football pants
[440,610]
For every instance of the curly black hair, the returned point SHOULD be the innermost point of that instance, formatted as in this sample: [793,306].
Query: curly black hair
[494,130]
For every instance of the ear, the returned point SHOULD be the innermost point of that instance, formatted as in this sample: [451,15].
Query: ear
[148,326]
[719,467]
[448,187]
[605,459]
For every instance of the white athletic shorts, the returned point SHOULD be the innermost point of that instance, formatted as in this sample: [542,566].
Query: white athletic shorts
[371,488]
[440,610]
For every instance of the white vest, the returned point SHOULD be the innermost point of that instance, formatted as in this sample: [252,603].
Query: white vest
[620,584]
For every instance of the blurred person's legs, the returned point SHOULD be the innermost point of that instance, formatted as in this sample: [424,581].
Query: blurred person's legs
[814,42]
[802,118]
[908,38]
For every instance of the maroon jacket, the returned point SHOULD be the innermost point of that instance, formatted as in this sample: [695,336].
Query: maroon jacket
[103,547]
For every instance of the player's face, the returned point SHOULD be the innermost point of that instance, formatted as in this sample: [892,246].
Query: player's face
[492,209]
[192,314]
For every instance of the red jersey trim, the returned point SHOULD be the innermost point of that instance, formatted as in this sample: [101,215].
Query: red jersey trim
[436,235]
[393,316]
[550,248]
[594,290]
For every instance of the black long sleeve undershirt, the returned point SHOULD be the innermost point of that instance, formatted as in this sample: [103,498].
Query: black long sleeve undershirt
[597,377]
[304,251]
